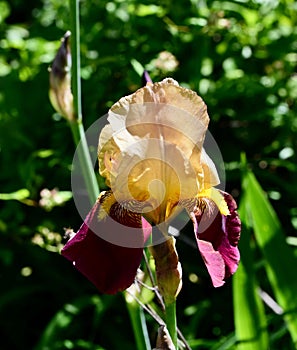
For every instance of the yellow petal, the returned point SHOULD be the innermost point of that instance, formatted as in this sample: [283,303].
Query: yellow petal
[217,198]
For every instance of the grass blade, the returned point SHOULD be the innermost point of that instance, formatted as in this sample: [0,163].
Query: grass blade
[281,263]
[249,315]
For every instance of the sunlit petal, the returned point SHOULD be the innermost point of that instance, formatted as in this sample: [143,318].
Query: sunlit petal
[152,149]
[217,236]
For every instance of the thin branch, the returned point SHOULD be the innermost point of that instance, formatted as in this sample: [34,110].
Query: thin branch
[148,309]
[151,277]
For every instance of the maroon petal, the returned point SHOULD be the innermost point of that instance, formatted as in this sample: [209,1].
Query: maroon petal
[107,252]
[217,238]
[213,261]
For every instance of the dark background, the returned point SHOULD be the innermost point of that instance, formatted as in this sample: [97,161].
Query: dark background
[240,56]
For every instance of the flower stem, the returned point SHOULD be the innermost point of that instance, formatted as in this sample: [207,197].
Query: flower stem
[78,132]
[170,313]
[85,161]
[75,57]
[138,324]
[76,124]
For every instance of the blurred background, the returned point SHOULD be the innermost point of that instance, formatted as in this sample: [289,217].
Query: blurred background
[240,57]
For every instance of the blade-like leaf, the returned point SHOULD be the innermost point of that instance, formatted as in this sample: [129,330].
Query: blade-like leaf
[280,261]
[61,321]
[249,315]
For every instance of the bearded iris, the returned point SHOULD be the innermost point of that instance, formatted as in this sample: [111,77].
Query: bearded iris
[152,158]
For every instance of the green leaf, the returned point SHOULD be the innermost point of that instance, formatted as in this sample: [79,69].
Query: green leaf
[137,66]
[17,195]
[4,11]
[138,323]
[61,321]
[44,153]
[249,315]
[280,261]
[250,16]
[142,10]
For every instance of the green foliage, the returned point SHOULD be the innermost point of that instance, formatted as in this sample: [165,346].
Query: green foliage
[249,314]
[240,56]
[271,240]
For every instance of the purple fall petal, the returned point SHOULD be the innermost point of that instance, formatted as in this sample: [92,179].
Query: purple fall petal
[110,267]
[231,227]
[217,238]
[213,261]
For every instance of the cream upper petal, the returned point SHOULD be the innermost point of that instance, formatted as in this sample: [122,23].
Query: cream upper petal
[164,109]
[152,149]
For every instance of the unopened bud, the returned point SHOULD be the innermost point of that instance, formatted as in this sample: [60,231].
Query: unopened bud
[60,80]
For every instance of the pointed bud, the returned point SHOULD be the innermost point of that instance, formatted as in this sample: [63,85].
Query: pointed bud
[60,80]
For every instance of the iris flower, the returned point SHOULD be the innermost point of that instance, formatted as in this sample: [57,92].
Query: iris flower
[152,157]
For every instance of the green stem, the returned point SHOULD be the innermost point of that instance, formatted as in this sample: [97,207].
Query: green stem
[75,57]
[84,158]
[138,324]
[76,125]
[170,317]
[78,132]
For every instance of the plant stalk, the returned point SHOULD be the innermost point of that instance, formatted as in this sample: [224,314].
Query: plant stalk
[76,124]
[75,57]
[170,317]
[85,159]
[78,132]
[138,324]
